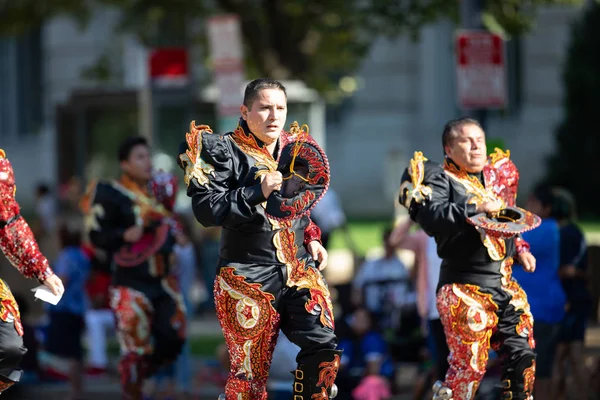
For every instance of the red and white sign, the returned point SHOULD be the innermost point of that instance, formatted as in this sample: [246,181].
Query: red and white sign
[169,66]
[230,93]
[480,70]
[227,55]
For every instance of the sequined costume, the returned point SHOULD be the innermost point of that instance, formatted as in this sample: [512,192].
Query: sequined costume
[21,249]
[266,280]
[144,296]
[480,304]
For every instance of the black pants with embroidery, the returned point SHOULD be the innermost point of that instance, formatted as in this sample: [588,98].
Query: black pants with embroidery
[254,301]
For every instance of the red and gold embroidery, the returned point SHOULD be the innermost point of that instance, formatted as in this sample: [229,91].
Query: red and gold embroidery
[16,239]
[311,233]
[519,301]
[506,271]
[145,249]
[250,324]
[328,371]
[9,310]
[133,312]
[468,316]
[247,316]
[320,396]
[284,239]
[521,245]
[20,248]
[195,166]
[529,378]
[248,144]
[148,212]
[299,205]
[5,385]
[479,194]
[303,276]
[149,209]
[502,176]
[318,170]
[499,155]
[8,206]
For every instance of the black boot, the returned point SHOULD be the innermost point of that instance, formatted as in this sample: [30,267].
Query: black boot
[518,379]
[11,379]
[316,376]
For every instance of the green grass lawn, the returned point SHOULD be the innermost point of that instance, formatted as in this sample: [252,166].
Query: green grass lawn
[368,234]
[365,235]
[592,227]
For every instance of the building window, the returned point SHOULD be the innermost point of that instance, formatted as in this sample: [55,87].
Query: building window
[21,84]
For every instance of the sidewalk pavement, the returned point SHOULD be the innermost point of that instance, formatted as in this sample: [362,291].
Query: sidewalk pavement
[108,387]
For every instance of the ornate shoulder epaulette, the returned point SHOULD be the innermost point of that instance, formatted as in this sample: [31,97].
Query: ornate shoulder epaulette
[195,167]
[2,154]
[414,189]
[502,176]
[499,155]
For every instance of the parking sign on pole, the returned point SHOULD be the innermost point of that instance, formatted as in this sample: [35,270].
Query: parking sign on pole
[480,70]
[227,55]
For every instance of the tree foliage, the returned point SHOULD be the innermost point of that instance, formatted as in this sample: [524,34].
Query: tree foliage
[316,41]
[575,162]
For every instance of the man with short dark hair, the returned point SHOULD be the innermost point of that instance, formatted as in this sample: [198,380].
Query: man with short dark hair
[124,219]
[259,183]
[481,306]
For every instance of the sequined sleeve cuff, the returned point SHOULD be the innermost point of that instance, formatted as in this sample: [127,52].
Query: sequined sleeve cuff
[521,245]
[312,233]
[21,249]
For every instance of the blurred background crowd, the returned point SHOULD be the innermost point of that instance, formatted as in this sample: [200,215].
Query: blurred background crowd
[375,81]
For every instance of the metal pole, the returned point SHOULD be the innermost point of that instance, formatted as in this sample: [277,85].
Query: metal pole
[470,13]
[145,112]
[81,144]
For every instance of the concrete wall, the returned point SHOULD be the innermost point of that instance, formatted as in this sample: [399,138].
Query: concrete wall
[67,50]
[409,93]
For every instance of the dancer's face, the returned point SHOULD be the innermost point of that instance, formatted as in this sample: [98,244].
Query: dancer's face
[266,115]
[139,163]
[468,149]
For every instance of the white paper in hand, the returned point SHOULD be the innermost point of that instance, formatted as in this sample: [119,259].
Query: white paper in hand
[43,293]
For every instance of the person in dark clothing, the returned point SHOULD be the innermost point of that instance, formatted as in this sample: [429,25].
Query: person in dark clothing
[573,272]
[480,304]
[125,219]
[259,183]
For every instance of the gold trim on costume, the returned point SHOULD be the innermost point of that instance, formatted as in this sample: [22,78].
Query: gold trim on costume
[195,166]
[417,191]
[479,194]
[498,155]
[248,144]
